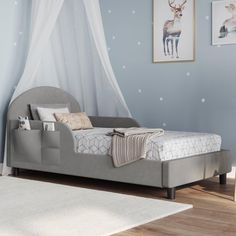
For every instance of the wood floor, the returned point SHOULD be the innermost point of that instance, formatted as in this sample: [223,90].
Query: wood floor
[213,213]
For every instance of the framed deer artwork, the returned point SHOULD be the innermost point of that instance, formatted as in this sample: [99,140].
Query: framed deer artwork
[173,30]
[224,22]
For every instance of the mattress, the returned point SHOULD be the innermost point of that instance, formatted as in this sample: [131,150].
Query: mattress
[172,145]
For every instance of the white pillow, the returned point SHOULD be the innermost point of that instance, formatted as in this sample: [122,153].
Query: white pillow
[47,114]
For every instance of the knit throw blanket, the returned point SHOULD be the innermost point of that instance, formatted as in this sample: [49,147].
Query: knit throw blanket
[129,144]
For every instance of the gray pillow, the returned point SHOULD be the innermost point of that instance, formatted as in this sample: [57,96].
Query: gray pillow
[34,112]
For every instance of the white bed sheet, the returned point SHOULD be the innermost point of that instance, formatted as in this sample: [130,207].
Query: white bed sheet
[172,145]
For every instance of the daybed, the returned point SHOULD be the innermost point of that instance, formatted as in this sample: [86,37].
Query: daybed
[54,151]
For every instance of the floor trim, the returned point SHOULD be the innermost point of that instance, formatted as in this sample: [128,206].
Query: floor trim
[231,175]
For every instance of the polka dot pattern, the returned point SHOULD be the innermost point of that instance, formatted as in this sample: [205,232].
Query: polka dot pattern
[182,82]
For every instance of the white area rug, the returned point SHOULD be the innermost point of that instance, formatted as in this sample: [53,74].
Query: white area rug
[33,208]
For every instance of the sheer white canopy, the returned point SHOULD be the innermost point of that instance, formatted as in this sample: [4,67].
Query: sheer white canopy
[68,50]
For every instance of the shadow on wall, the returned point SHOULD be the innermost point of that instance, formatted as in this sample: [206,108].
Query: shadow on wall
[3,130]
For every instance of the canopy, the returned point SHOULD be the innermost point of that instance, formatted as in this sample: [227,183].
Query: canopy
[68,50]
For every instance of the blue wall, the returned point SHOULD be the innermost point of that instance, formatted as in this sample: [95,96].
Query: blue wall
[181,85]
[197,96]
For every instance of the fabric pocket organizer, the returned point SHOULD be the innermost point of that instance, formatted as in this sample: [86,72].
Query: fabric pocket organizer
[36,146]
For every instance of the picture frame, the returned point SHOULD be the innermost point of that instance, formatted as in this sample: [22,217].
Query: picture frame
[173,31]
[224,22]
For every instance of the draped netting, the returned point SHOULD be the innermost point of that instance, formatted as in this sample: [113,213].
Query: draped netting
[67,49]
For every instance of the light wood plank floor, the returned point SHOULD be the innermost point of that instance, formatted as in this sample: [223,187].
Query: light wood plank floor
[213,213]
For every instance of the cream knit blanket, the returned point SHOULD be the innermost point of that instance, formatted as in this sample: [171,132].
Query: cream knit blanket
[129,144]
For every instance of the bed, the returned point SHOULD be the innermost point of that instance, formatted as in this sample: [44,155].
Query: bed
[175,159]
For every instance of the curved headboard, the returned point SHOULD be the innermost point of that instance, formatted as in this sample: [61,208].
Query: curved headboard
[40,95]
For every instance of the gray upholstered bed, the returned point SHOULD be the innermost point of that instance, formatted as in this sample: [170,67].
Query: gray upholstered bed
[54,151]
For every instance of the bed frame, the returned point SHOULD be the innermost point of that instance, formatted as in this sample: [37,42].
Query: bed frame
[54,151]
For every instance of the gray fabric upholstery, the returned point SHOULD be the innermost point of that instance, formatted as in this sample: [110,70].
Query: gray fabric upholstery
[67,161]
[40,95]
[113,122]
[187,170]
[54,151]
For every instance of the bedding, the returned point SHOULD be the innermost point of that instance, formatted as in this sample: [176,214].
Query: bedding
[75,121]
[129,144]
[34,112]
[47,114]
[171,145]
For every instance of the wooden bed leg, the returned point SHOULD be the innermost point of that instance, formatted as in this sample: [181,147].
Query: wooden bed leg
[171,193]
[223,179]
[16,172]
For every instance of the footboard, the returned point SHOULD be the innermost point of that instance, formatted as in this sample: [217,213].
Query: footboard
[187,170]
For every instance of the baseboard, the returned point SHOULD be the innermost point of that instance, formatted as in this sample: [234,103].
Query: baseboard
[231,175]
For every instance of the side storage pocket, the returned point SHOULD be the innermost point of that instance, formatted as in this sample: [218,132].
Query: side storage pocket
[27,145]
[51,148]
